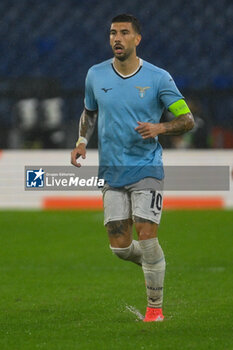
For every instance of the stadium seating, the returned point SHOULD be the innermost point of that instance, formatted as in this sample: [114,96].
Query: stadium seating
[62,39]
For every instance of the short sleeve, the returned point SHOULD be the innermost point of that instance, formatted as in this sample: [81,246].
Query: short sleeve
[168,91]
[90,101]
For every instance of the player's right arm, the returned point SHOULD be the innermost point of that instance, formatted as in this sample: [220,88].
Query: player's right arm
[87,120]
[86,128]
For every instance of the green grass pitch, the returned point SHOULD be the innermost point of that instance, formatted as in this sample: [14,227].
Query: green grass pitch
[62,289]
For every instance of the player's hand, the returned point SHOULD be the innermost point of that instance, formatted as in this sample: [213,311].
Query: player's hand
[148,130]
[77,152]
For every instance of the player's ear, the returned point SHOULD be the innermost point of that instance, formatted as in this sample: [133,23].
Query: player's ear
[138,39]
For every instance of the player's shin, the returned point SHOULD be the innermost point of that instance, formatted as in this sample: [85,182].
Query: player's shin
[153,265]
[132,253]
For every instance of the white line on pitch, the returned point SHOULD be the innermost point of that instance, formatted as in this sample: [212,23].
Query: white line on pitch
[135,312]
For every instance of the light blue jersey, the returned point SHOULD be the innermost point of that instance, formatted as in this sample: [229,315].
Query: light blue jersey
[124,157]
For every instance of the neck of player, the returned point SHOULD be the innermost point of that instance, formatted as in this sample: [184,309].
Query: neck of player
[128,66]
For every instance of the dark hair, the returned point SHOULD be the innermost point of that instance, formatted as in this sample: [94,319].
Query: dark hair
[128,18]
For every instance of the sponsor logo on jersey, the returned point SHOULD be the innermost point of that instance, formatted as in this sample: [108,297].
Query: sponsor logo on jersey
[106,90]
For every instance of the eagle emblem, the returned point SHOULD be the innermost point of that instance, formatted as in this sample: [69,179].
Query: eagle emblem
[142,90]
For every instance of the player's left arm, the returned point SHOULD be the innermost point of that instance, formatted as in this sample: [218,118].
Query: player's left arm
[182,122]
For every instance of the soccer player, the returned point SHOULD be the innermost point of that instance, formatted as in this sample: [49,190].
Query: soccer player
[129,95]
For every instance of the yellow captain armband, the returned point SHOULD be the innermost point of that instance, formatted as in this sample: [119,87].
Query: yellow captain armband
[178,108]
[81,140]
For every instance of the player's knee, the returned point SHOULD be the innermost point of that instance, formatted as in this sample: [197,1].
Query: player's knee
[118,228]
[144,235]
[119,233]
[145,229]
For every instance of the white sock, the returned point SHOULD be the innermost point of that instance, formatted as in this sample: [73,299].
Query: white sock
[132,253]
[153,265]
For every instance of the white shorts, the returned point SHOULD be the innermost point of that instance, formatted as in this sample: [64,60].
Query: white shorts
[130,201]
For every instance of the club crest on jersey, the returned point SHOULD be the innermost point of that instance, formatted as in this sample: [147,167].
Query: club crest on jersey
[142,90]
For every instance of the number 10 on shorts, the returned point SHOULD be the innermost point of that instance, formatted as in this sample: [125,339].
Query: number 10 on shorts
[156,200]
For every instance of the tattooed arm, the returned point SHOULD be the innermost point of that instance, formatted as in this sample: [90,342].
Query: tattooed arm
[177,126]
[87,123]
[86,128]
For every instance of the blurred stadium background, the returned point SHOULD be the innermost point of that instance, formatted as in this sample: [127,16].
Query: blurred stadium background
[61,288]
[47,47]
